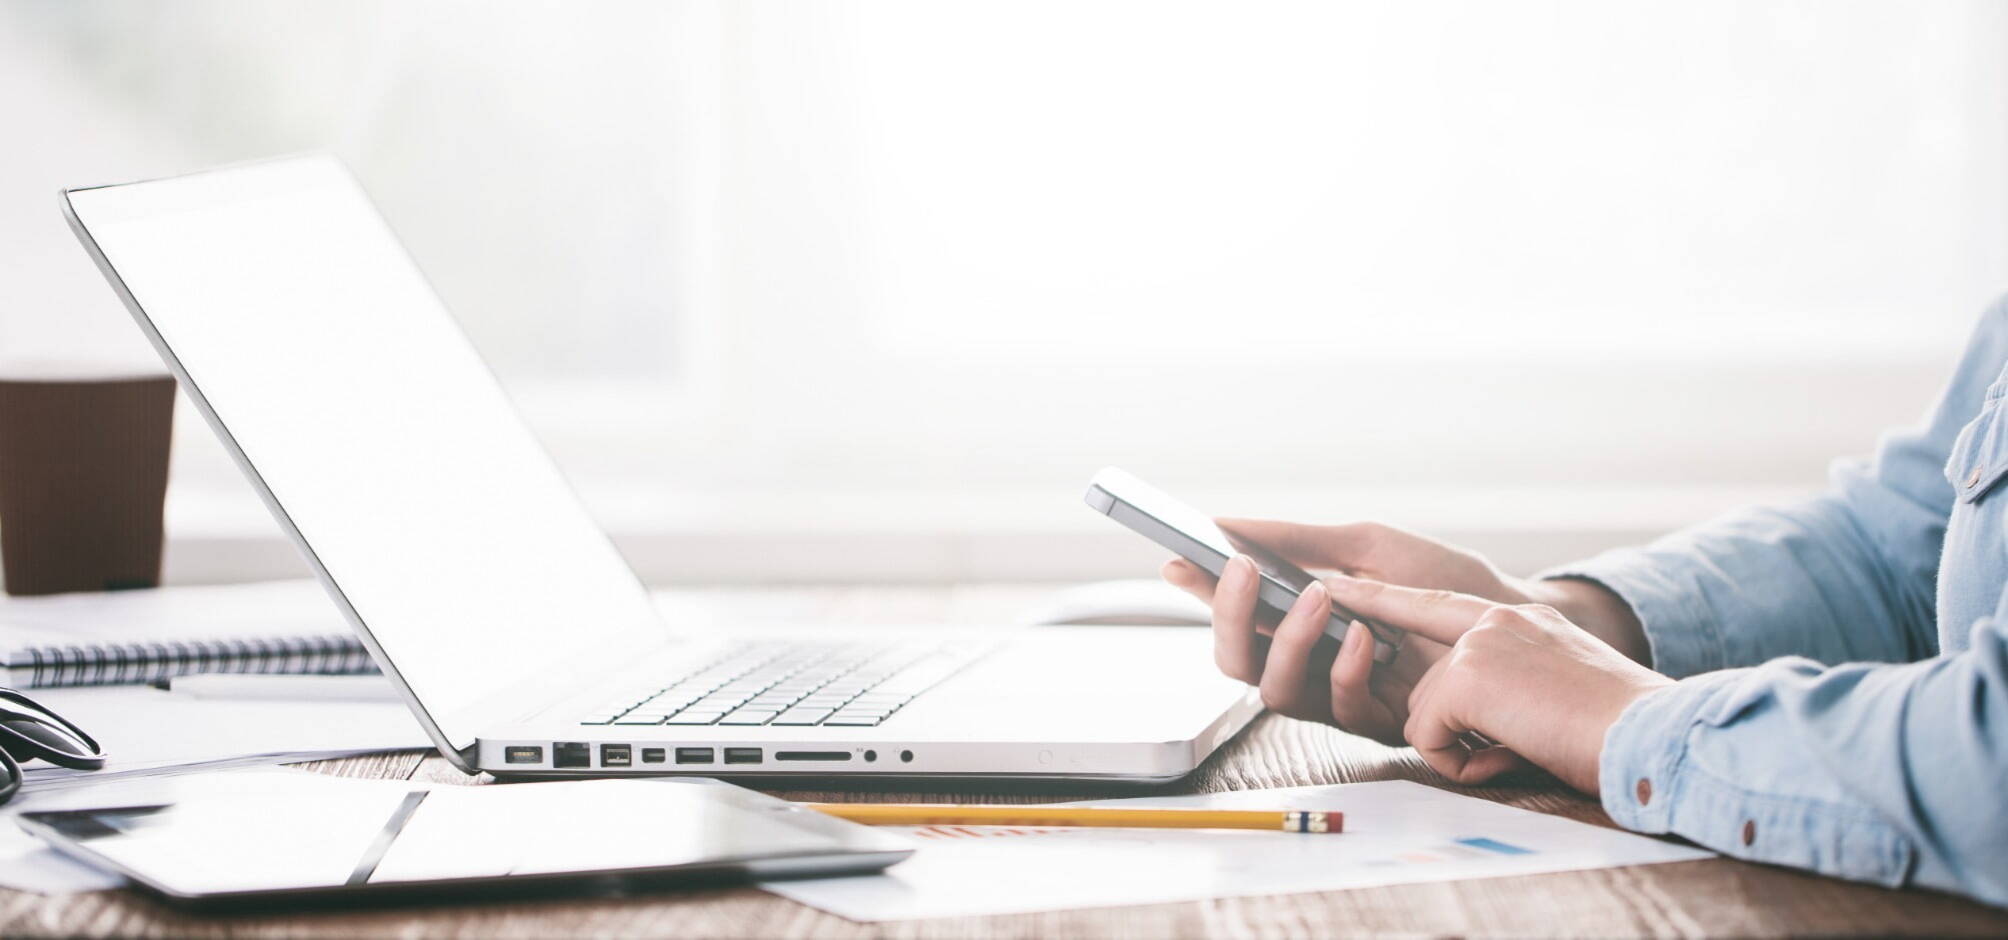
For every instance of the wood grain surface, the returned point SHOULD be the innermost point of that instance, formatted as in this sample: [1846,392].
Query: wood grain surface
[1717,897]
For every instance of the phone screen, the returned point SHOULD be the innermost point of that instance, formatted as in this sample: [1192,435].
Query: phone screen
[1196,526]
[1193,535]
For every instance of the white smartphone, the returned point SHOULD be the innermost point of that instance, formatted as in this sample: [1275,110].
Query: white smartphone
[1192,535]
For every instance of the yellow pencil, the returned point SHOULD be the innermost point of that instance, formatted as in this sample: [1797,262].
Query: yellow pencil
[924,814]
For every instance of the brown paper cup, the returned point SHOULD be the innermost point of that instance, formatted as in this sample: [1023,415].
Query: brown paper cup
[83,472]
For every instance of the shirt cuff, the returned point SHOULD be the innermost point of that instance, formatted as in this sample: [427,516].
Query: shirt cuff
[1651,779]
[1641,758]
[1680,632]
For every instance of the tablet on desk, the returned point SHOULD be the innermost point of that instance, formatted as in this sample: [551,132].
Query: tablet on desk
[382,843]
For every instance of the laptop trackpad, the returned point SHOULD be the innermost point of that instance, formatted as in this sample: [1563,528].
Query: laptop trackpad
[1118,684]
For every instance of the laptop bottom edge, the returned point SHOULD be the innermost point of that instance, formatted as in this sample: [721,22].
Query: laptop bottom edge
[880,758]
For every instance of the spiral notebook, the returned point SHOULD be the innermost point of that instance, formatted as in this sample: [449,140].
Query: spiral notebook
[133,637]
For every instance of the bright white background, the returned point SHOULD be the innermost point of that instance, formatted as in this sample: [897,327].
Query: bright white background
[837,290]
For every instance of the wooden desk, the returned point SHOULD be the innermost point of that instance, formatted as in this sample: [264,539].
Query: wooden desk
[1716,897]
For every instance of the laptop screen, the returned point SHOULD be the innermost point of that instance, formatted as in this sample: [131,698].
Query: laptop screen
[381,439]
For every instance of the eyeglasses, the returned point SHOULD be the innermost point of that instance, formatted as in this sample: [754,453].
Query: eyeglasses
[30,732]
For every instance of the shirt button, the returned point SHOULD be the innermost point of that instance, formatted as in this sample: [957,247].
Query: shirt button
[1644,791]
[1973,479]
[1749,831]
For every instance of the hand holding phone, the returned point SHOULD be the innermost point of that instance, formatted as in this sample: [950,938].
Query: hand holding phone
[1193,536]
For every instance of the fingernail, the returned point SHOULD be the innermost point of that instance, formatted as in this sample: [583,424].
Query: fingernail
[1315,594]
[1242,568]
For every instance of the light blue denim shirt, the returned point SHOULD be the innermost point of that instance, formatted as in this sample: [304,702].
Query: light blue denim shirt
[1843,663]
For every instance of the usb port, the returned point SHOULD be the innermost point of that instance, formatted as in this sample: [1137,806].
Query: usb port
[523,755]
[694,755]
[742,755]
[651,755]
[616,755]
[571,754]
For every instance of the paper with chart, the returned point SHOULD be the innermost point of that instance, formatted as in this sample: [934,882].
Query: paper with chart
[1396,832]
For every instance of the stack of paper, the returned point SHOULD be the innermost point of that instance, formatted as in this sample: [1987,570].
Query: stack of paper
[297,607]
[149,731]
[141,636]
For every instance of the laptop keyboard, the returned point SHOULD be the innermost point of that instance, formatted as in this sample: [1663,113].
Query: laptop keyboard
[768,683]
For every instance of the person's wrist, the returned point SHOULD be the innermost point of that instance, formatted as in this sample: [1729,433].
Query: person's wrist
[1597,609]
[1624,689]
[1565,595]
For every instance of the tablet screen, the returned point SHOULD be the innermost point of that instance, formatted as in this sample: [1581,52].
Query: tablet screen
[379,836]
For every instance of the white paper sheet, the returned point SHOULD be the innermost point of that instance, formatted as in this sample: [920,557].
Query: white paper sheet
[1396,832]
[146,730]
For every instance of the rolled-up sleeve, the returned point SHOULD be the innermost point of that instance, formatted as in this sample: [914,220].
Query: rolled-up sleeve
[1848,576]
[1818,723]
[1817,579]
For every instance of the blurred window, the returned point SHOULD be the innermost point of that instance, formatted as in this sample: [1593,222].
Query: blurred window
[959,245]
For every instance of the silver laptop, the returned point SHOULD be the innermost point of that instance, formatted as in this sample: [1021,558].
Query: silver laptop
[304,333]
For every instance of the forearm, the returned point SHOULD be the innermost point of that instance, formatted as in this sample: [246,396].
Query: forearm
[1803,580]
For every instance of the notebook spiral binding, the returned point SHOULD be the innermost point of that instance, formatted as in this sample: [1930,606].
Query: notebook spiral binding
[133,663]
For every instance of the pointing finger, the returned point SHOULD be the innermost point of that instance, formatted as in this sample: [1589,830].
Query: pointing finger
[1442,616]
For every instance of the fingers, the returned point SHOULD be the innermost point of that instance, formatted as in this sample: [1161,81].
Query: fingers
[1418,694]
[1353,705]
[1442,737]
[1317,546]
[1437,736]
[1442,616]
[1237,650]
[1284,688]
[1417,655]
[1189,578]
[1489,762]
[1387,691]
